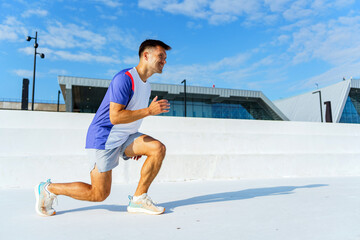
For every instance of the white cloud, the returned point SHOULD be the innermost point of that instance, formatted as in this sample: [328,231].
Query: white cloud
[329,77]
[23,73]
[7,33]
[71,36]
[12,30]
[193,25]
[83,57]
[251,70]
[230,70]
[131,60]
[30,50]
[277,5]
[109,17]
[282,40]
[217,19]
[335,42]
[34,12]
[205,75]
[71,56]
[342,3]
[235,7]
[194,8]
[126,38]
[230,62]
[116,9]
[59,72]
[263,11]
[195,74]
[27,50]
[153,4]
[298,10]
[264,85]
[111,73]
[302,9]
[111,3]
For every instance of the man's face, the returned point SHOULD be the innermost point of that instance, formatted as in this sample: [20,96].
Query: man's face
[157,59]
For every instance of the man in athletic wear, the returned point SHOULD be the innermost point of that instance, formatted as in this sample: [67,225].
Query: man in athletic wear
[113,133]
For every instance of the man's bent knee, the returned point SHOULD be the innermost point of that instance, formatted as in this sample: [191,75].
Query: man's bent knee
[100,185]
[161,149]
[158,149]
[99,196]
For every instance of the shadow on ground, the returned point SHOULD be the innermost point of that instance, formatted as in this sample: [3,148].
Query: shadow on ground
[112,208]
[210,198]
[236,195]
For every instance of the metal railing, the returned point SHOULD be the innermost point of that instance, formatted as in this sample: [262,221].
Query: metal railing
[36,100]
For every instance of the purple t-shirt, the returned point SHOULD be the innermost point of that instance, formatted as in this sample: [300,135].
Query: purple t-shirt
[127,89]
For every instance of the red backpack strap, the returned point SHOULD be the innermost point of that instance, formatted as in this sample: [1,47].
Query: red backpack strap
[132,80]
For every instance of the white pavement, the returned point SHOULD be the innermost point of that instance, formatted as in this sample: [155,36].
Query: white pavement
[281,209]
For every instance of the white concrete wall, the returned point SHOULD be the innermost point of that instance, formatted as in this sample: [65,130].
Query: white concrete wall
[50,107]
[35,146]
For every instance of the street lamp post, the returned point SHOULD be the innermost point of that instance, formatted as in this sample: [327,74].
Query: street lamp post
[321,112]
[184,82]
[58,102]
[41,56]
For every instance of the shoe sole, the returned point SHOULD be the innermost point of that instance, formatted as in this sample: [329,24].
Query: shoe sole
[143,210]
[36,191]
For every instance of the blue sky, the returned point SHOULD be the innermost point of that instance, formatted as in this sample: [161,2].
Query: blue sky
[280,47]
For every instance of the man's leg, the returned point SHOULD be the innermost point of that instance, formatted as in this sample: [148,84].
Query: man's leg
[155,152]
[98,191]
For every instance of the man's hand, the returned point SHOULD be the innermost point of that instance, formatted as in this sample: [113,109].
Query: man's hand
[157,107]
[119,115]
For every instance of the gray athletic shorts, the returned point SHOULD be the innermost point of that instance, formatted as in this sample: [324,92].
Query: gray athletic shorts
[108,159]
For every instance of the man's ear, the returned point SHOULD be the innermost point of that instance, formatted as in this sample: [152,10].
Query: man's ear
[146,55]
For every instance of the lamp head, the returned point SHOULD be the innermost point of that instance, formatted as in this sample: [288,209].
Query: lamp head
[28,38]
[42,55]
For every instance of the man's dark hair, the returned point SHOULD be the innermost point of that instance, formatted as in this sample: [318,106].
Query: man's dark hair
[152,43]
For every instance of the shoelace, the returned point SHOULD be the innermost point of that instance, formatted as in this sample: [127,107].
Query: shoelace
[53,197]
[149,201]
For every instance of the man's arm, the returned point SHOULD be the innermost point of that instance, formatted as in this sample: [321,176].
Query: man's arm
[118,113]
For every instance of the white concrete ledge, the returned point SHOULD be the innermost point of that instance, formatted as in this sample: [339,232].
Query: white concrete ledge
[39,145]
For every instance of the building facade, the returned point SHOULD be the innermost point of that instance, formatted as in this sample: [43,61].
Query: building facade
[340,100]
[85,95]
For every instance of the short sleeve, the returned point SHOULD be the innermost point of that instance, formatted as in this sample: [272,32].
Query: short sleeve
[120,89]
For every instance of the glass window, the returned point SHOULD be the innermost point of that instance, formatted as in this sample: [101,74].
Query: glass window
[351,112]
[196,107]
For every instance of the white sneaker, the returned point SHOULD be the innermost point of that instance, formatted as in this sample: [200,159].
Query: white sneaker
[44,200]
[144,205]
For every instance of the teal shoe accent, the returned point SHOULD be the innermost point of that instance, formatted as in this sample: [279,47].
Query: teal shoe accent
[44,199]
[41,185]
[135,205]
